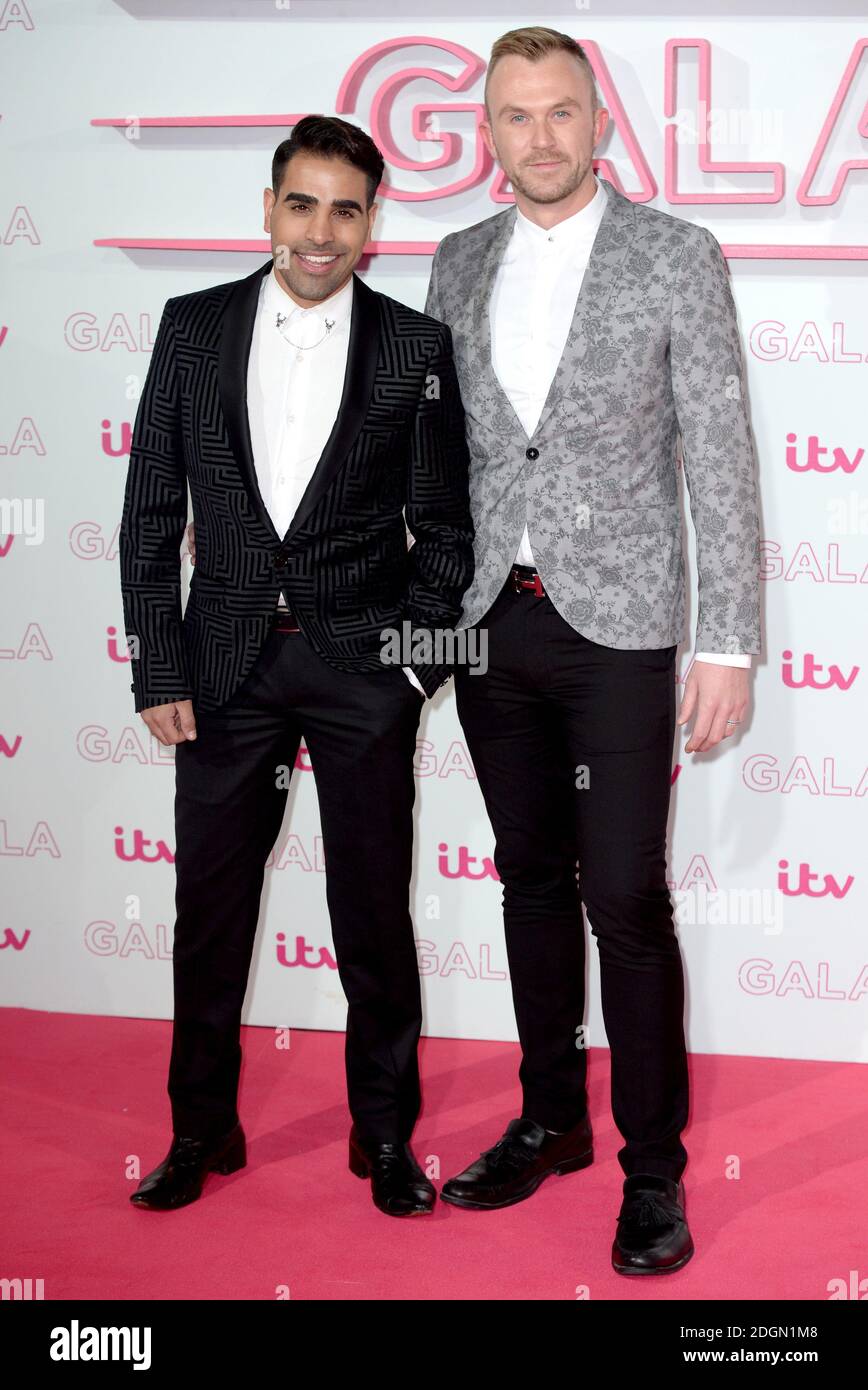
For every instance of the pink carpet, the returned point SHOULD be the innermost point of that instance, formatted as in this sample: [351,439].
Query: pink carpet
[82,1094]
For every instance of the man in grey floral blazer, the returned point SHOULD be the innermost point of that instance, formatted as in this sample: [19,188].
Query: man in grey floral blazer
[590,333]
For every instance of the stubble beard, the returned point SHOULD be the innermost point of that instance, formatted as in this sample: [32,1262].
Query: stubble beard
[550,193]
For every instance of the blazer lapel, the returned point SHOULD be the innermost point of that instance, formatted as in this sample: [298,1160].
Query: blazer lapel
[479,338]
[234,354]
[363,351]
[235,339]
[611,244]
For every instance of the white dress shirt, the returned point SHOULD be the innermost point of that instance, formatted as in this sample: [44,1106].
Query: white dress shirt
[532,307]
[295,379]
[293,393]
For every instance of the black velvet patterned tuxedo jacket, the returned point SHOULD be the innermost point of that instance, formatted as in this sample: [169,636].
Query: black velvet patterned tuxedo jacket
[397,448]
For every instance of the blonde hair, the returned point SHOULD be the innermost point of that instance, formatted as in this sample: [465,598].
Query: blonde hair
[533,43]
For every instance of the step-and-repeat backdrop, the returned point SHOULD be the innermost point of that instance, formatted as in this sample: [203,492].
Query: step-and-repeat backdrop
[136,139]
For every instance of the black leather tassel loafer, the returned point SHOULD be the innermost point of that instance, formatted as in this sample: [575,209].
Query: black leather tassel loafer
[652,1235]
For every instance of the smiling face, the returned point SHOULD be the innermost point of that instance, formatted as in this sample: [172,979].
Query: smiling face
[542,129]
[319,222]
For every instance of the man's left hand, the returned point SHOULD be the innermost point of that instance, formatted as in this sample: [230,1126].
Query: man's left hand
[715,693]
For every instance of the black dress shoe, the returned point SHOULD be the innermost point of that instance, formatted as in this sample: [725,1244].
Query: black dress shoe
[398,1185]
[652,1236]
[179,1178]
[514,1168]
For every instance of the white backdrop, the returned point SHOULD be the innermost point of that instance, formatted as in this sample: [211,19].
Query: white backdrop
[86,816]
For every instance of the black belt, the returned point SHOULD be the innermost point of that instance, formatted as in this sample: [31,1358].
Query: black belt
[523,577]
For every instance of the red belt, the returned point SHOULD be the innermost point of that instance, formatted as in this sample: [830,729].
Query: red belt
[525,578]
[283,621]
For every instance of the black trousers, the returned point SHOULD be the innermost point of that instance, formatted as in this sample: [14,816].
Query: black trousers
[360,730]
[551,703]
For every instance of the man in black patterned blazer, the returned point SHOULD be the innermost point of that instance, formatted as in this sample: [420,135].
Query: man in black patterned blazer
[310,417]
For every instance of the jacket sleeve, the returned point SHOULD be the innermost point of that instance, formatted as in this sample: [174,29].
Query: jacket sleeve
[152,529]
[709,386]
[438,515]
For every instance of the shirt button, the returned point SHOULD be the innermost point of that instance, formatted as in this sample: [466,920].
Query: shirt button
[299,357]
[532,454]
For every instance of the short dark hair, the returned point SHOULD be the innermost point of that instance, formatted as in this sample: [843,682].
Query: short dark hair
[331,138]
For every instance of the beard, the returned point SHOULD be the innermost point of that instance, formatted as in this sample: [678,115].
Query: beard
[549,188]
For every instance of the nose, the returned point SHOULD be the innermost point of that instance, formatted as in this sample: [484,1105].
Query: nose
[320,230]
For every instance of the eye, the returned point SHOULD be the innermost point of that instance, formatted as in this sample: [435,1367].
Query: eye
[517,117]
[560,113]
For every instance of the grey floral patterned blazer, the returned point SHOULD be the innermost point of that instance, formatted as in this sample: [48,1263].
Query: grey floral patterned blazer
[653,352]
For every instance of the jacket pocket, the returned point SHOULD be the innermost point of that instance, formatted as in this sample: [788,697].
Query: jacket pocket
[635,521]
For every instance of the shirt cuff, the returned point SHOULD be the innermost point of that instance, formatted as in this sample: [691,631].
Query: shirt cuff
[412,679]
[724,658]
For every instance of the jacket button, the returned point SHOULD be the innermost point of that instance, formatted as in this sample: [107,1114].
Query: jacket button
[532,454]
[280,560]
[132,687]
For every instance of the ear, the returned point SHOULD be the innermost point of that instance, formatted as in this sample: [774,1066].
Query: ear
[485,131]
[268,201]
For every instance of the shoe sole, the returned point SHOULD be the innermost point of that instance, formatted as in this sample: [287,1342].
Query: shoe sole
[652,1269]
[230,1162]
[570,1165]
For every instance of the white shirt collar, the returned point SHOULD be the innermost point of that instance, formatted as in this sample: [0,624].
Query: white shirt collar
[581,224]
[276,300]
